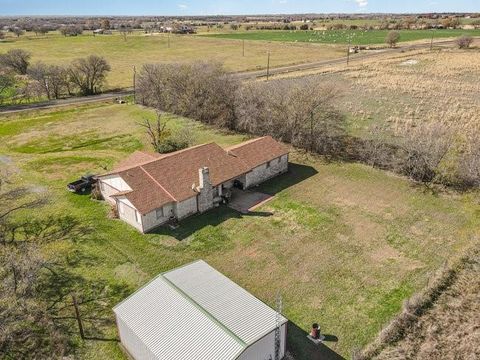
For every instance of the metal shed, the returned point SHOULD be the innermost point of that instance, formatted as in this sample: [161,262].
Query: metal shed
[195,312]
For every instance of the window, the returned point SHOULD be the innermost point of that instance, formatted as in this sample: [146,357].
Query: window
[159,213]
[121,208]
[268,164]
[137,217]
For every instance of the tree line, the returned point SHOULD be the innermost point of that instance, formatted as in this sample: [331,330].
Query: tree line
[22,81]
[303,112]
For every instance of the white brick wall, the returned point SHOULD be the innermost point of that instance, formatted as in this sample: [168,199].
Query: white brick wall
[128,213]
[263,172]
[185,208]
[151,221]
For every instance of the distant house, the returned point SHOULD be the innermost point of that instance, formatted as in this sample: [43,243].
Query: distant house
[195,312]
[150,189]
[184,29]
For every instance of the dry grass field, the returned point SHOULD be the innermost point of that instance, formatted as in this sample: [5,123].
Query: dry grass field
[415,86]
[145,48]
[450,329]
[345,243]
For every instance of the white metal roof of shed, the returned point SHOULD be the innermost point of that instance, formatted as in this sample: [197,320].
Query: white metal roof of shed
[196,312]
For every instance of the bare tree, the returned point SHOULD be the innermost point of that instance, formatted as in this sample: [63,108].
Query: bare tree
[124,31]
[298,111]
[464,42]
[426,147]
[17,60]
[18,31]
[393,37]
[50,78]
[203,91]
[157,132]
[469,161]
[89,73]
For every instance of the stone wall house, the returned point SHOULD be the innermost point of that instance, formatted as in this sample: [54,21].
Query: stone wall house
[151,189]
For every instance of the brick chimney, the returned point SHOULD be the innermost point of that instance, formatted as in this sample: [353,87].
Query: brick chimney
[204,178]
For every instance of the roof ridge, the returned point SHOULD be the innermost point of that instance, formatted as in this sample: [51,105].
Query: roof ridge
[203,310]
[164,156]
[156,182]
[236,146]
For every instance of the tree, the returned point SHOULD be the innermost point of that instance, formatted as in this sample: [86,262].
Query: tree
[464,42]
[50,78]
[298,111]
[162,139]
[89,73]
[124,30]
[203,91]
[2,35]
[425,147]
[18,31]
[7,81]
[392,38]
[105,24]
[17,60]
[71,30]
[304,27]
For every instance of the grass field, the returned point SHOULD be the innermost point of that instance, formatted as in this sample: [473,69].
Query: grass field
[344,243]
[356,37]
[140,49]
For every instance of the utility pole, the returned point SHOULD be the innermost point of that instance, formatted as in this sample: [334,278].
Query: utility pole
[168,38]
[134,85]
[348,52]
[77,315]
[268,64]
[278,318]
[243,47]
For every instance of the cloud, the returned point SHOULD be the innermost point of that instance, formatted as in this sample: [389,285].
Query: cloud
[362,3]
[182,6]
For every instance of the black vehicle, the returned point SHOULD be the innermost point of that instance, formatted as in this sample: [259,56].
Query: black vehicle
[83,184]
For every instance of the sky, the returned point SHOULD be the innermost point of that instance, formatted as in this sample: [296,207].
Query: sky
[229,7]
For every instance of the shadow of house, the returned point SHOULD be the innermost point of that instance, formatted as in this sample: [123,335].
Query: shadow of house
[296,174]
[303,349]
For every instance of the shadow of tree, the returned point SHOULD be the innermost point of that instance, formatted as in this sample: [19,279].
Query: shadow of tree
[214,217]
[303,349]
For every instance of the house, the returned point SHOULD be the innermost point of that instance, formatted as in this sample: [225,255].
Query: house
[195,312]
[149,189]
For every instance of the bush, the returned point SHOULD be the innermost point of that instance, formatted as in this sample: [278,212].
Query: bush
[393,37]
[464,42]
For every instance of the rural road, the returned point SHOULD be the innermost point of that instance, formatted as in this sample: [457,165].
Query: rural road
[246,75]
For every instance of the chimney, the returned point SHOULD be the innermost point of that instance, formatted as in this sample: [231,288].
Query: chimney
[203,177]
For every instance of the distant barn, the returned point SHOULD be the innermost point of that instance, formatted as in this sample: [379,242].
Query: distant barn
[195,312]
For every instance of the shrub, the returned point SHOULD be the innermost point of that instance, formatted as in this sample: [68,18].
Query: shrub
[392,38]
[464,42]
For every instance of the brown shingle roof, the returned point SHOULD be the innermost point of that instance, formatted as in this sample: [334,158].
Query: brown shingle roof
[258,151]
[160,179]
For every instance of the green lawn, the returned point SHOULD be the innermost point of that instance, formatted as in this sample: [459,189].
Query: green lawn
[344,243]
[357,37]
